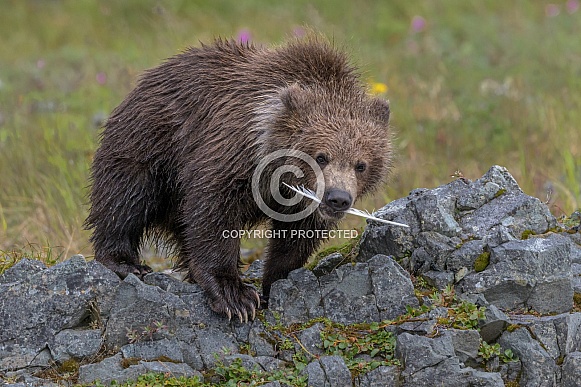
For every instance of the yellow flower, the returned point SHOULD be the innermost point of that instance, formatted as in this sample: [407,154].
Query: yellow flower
[378,88]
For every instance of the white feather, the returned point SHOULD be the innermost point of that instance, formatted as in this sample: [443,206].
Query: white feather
[354,211]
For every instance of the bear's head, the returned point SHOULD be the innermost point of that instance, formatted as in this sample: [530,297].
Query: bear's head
[344,130]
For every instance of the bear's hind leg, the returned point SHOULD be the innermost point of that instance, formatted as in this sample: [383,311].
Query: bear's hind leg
[122,208]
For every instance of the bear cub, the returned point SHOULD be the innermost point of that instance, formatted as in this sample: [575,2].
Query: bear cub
[203,144]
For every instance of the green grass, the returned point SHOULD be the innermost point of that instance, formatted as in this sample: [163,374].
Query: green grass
[483,83]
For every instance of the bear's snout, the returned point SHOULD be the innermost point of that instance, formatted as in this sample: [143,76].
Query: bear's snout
[338,200]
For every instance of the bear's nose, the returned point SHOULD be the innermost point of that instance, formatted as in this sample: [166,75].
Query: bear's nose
[338,199]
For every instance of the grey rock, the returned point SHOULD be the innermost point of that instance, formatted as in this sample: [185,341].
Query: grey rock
[310,340]
[297,298]
[510,371]
[539,368]
[392,287]
[494,324]
[480,193]
[347,295]
[466,344]
[71,343]
[382,376]
[107,371]
[452,225]
[571,375]
[21,270]
[568,328]
[515,212]
[171,284]
[34,309]
[465,255]
[260,340]
[191,355]
[246,361]
[110,369]
[106,283]
[575,244]
[138,306]
[576,277]
[153,350]
[261,363]
[420,327]
[254,271]
[439,279]
[328,264]
[544,331]
[212,341]
[328,371]
[417,353]
[389,240]
[174,369]
[439,247]
[372,291]
[432,361]
[471,377]
[531,273]
[22,378]
[269,364]
[435,210]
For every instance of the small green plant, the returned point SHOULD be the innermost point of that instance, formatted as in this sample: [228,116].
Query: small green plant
[508,356]
[489,351]
[148,331]
[461,314]
[286,344]
[235,374]
[158,379]
[466,315]
[350,342]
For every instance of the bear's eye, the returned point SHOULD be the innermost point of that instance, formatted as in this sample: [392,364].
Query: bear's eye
[361,167]
[321,159]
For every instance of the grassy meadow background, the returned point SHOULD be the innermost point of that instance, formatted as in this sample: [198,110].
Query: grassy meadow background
[471,83]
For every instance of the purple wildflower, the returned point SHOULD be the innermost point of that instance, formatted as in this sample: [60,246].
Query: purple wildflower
[244,35]
[418,24]
[101,78]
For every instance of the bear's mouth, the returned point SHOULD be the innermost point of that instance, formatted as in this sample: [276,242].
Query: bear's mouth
[326,212]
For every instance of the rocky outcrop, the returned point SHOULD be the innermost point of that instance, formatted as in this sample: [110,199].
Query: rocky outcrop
[484,237]
[509,318]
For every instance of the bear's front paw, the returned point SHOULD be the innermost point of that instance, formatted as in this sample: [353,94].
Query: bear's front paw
[235,298]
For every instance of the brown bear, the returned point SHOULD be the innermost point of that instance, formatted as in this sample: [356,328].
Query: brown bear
[203,145]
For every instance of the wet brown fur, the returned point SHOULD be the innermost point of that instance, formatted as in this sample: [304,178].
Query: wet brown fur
[177,156]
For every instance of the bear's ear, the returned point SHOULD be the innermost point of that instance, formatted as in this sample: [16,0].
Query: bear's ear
[380,110]
[292,97]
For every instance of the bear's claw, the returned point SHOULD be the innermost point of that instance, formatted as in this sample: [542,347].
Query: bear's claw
[235,298]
